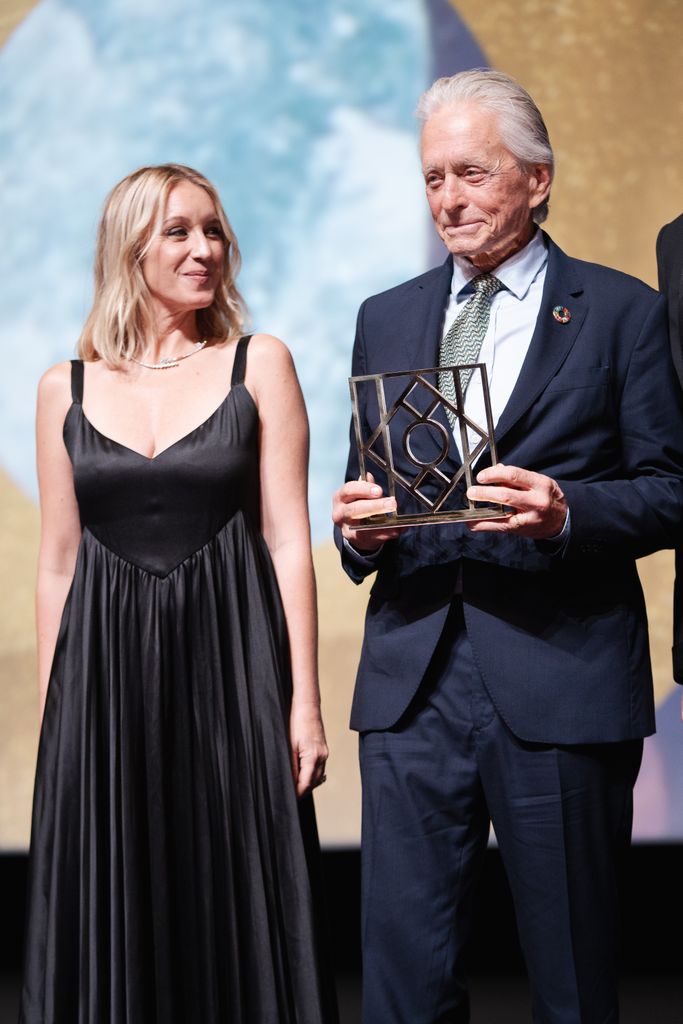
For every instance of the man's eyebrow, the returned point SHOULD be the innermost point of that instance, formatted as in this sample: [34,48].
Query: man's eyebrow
[457,165]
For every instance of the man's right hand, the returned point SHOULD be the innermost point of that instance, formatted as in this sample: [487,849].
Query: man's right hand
[352,503]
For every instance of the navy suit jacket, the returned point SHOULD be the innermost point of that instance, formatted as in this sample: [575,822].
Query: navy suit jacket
[670,267]
[560,638]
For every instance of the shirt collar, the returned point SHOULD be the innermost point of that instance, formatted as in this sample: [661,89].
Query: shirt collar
[517,272]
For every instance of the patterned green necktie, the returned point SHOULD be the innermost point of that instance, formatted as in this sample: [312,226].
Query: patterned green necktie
[462,342]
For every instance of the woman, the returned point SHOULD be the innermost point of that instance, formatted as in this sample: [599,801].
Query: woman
[177,645]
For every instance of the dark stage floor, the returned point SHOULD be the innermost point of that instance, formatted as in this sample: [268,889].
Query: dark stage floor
[652,977]
[503,999]
[496,999]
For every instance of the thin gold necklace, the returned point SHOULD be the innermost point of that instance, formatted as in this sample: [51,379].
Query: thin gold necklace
[171,361]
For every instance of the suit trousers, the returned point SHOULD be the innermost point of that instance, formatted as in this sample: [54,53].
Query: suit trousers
[431,787]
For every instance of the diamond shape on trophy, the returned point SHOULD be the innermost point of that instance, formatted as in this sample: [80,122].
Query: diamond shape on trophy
[413,442]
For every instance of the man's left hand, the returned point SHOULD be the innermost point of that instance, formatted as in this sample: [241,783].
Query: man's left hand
[540,504]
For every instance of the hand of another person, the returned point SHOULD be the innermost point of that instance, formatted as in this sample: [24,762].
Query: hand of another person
[541,506]
[308,746]
[353,502]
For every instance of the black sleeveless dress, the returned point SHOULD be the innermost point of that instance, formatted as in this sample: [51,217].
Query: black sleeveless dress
[170,871]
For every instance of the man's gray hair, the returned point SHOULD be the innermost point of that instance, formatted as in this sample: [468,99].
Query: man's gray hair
[520,124]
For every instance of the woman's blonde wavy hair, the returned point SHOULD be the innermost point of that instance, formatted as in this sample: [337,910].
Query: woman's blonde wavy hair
[120,322]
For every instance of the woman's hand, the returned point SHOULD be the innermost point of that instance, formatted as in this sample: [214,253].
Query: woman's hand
[308,746]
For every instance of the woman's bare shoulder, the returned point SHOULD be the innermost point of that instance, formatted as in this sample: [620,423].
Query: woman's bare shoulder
[267,349]
[54,387]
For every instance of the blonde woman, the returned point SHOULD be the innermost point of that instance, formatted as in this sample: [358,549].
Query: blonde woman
[177,646]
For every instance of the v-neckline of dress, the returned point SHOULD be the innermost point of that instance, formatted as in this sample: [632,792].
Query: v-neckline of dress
[174,444]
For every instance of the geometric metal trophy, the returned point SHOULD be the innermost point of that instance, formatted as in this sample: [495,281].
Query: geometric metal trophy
[428,473]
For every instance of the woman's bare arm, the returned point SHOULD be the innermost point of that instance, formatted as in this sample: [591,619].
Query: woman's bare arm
[60,524]
[272,380]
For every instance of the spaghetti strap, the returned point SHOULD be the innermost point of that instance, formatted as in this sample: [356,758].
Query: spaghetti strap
[77,381]
[239,365]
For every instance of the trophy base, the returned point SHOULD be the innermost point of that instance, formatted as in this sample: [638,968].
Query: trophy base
[391,521]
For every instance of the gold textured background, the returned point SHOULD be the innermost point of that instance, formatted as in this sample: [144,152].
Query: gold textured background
[606,77]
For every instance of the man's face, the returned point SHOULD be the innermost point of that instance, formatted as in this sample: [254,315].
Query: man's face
[481,200]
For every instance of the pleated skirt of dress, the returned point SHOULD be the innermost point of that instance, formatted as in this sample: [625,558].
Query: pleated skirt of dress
[170,874]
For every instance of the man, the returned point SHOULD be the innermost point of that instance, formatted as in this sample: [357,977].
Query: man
[505,671]
[670,268]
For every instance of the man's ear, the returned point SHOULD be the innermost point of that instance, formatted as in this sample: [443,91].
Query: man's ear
[540,180]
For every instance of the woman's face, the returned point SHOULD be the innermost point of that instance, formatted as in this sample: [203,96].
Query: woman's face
[183,264]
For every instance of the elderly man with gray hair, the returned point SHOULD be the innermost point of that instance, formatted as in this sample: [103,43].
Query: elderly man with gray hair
[505,674]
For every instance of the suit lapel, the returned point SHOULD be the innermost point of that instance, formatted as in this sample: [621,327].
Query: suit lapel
[420,320]
[431,340]
[415,346]
[551,341]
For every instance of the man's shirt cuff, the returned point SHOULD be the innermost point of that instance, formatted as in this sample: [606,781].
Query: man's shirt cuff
[368,558]
[561,539]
